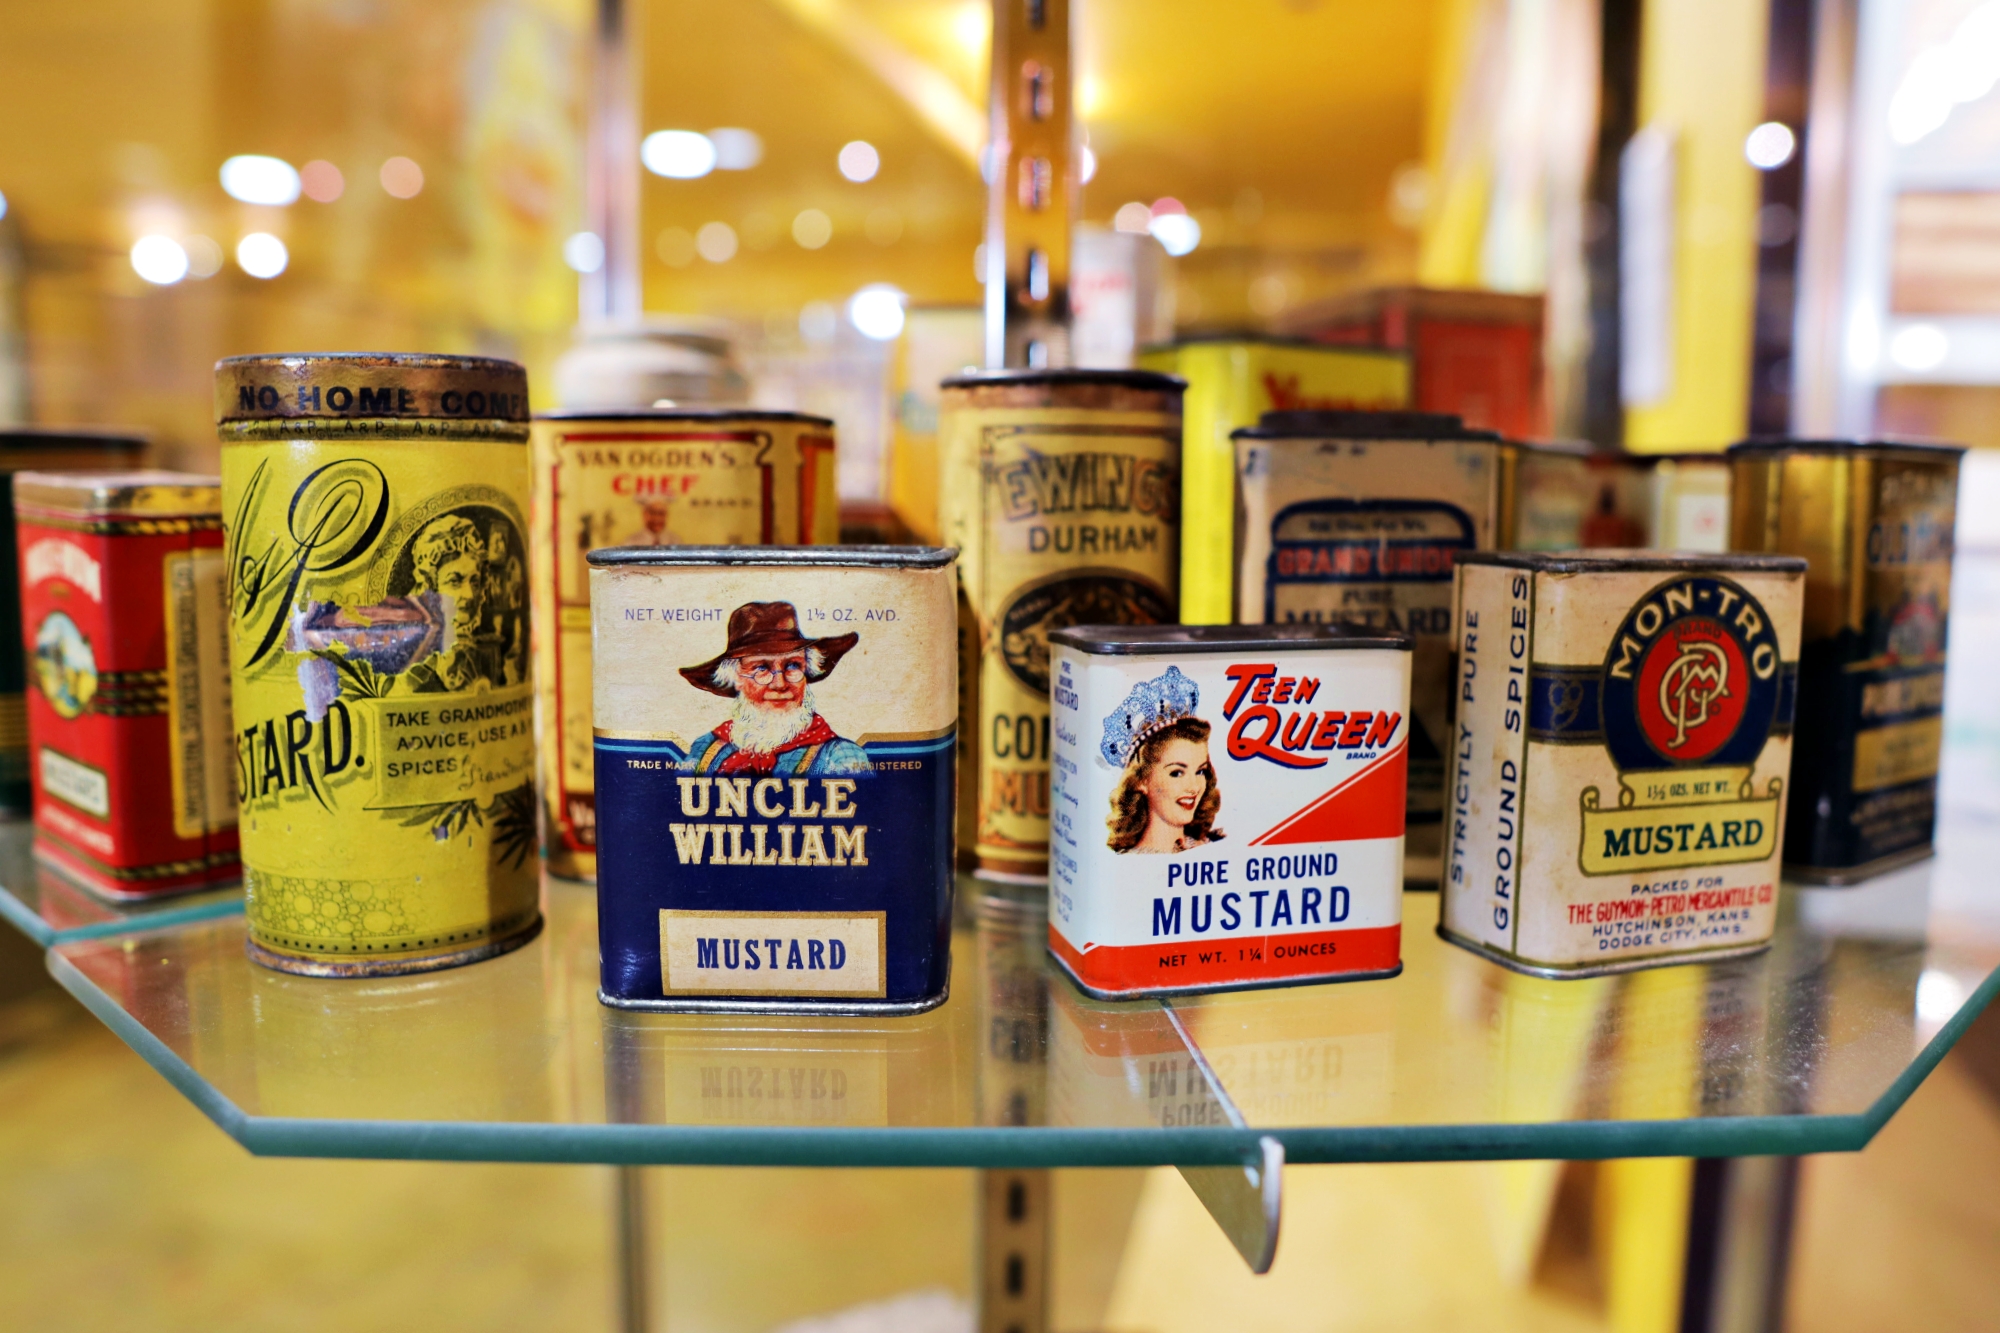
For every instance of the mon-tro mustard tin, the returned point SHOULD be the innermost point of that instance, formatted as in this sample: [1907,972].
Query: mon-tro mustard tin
[376,513]
[126,626]
[1228,806]
[663,477]
[1874,522]
[1621,737]
[775,729]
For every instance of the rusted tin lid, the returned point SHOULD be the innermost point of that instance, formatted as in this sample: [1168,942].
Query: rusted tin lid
[1613,560]
[1782,444]
[23,448]
[1315,424]
[871,557]
[118,494]
[1148,640]
[388,395]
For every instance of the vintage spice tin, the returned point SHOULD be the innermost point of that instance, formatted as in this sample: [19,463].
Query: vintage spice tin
[37,449]
[667,477]
[1229,806]
[1061,489]
[1356,518]
[775,733]
[1233,379]
[376,512]
[1622,735]
[126,623]
[1874,522]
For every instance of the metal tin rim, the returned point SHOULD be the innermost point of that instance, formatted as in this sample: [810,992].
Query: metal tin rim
[1840,877]
[683,414]
[1131,379]
[1601,970]
[351,968]
[1270,340]
[117,494]
[1317,425]
[68,437]
[405,360]
[1147,640]
[1786,445]
[1279,983]
[1580,562]
[859,557]
[782,1008]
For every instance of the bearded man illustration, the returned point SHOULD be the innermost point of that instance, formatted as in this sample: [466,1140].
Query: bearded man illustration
[769,669]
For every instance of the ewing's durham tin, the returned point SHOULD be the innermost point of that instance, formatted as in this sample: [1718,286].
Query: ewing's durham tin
[126,623]
[1061,489]
[1356,517]
[775,732]
[1622,733]
[1228,806]
[376,508]
[38,449]
[1874,522]
[708,477]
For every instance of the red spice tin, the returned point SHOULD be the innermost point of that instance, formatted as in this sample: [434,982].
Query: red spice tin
[125,624]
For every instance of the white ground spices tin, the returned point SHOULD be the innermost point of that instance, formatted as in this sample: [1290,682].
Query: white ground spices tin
[1621,741]
[1355,518]
[1228,805]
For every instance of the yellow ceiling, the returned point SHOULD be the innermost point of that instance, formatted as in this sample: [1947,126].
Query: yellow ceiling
[1277,122]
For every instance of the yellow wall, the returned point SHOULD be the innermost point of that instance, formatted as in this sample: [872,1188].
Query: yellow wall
[1702,76]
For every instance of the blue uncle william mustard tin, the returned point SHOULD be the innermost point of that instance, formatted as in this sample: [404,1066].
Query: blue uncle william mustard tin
[774,732]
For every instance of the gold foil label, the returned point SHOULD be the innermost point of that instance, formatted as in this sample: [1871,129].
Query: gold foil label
[1903,752]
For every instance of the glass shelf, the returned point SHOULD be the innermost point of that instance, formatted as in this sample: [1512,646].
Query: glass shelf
[1808,1048]
[51,909]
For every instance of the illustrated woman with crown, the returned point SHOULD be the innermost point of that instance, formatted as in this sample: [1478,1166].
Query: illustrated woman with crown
[1167,799]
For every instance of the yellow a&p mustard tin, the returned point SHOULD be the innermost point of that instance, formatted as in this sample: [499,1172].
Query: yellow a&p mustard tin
[375,509]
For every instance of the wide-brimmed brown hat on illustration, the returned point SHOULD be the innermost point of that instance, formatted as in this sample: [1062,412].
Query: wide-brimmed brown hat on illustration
[768,629]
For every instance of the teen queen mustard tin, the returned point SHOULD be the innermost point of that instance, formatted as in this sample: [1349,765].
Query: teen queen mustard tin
[375,508]
[1229,806]
[1620,745]
[1061,489]
[775,729]
[665,477]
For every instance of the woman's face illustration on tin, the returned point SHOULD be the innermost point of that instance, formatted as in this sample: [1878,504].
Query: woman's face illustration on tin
[776,681]
[463,579]
[1174,787]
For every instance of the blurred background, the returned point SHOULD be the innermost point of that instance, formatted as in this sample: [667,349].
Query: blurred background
[1689,220]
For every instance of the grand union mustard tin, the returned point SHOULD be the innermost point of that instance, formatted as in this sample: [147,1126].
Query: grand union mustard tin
[377,564]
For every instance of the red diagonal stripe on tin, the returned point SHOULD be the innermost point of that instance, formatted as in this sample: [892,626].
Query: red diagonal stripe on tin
[1367,805]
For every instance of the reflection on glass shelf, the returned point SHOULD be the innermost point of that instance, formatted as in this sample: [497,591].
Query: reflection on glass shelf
[1807,1048]
[51,909]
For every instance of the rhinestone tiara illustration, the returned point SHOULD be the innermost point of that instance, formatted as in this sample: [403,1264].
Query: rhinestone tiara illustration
[1152,705]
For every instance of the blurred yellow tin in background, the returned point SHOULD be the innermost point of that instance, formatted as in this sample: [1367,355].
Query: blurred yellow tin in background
[377,545]
[1232,381]
[654,477]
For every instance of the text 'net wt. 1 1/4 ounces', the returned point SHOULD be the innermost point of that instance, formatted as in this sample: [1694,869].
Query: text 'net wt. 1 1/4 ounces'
[376,514]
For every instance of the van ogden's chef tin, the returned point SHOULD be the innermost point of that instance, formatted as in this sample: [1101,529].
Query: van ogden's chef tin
[775,737]
[1621,736]
[1356,517]
[666,477]
[1061,489]
[376,510]
[1874,521]
[126,628]
[1228,806]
